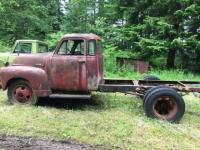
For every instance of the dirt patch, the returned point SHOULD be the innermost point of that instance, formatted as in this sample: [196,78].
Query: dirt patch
[18,143]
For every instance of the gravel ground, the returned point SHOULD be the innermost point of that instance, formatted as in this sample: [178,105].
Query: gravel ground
[18,143]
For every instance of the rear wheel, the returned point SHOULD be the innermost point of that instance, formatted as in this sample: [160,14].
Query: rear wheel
[20,92]
[165,104]
[150,90]
[150,77]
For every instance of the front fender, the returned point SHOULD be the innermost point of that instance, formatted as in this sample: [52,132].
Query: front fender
[37,77]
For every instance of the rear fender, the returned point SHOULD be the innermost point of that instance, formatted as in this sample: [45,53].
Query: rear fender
[35,76]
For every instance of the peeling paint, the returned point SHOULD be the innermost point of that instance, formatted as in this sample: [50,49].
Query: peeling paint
[47,72]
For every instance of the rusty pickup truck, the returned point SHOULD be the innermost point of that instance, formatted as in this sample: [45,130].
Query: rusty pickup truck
[75,69]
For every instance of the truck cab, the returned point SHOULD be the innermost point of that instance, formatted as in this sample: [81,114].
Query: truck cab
[23,47]
[75,66]
[29,46]
[77,63]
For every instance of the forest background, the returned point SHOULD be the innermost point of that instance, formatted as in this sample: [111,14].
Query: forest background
[164,32]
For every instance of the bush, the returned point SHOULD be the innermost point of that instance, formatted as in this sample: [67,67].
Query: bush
[53,39]
[3,47]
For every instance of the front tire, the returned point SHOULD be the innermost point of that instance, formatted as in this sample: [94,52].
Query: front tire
[20,92]
[164,104]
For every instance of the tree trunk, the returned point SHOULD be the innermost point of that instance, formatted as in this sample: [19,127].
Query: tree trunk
[171,59]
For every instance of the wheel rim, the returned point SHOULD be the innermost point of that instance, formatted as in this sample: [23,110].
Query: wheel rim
[22,94]
[165,107]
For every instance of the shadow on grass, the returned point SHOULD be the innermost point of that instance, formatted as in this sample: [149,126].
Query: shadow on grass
[75,104]
[97,102]
[193,113]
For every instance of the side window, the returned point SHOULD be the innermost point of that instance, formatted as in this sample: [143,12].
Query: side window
[42,48]
[72,47]
[92,47]
[23,48]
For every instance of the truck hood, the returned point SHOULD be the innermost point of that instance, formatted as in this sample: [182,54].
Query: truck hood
[36,60]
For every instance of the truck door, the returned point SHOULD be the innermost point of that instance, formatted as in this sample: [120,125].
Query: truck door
[68,66]
[94,64]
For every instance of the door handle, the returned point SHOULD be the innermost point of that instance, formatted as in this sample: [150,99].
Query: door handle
[39,65]
[81,61]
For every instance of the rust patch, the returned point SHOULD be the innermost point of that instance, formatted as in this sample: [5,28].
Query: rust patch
[165,107]
[67,73]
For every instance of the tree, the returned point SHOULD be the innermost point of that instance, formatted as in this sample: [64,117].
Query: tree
[27,19]
[160,23]
[163,32]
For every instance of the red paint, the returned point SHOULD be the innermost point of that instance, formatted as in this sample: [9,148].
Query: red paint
[22,94]
[48,72]
[37,77]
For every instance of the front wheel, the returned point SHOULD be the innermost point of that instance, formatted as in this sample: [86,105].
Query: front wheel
[165,104]
[20,92]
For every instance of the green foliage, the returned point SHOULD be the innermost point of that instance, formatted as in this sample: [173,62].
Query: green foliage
[80,15]
[158,25]
[111,69]
[163,32]
[174,75]
[53,39]
[3,47]
[21,19]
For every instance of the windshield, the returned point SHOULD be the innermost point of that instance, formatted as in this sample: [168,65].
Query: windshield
[23,48]
[42,48]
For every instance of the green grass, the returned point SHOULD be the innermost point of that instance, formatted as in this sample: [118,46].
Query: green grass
[109,120]
[162,74]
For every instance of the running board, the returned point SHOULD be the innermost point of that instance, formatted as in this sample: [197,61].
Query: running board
[71,96]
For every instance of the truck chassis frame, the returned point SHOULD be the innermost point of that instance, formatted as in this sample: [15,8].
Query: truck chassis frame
[161,99]
[138,87]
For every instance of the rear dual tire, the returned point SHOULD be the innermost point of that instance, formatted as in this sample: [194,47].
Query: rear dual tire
[149,78]
[164,103]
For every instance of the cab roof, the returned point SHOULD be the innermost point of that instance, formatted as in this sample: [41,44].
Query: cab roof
[82,35]
[31,41]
